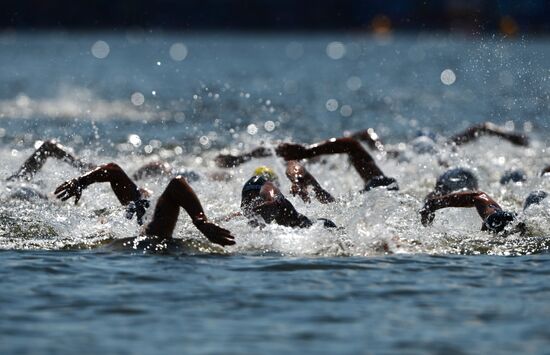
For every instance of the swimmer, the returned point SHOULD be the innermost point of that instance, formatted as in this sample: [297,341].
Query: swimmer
[368,136]
[261,197]
[488,129]
[361,160]
[494,218]
[39,157]
[177,194]
[424,143]
[53,149]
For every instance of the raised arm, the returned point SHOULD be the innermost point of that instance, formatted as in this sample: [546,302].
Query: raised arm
[231,161]
[359,157]
[489,129]
[301,179]
[178,194]
[124,188]
[483,203]
[38,158]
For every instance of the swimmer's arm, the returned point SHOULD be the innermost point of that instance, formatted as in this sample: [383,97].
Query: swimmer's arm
[362,161]
[301,179]
[124,188]
[38,158]
[178,194]
[231,161]
[489,129]
[545,171]
[483,203]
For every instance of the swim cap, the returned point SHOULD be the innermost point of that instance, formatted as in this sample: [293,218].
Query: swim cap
[382,181]
[455,180]
[266,172]
[517,175]
[498,221]
[534,198]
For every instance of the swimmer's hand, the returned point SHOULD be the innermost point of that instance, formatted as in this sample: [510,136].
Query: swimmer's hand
[427,215]
[69,189]
[291,151]
[138,208]
[214,233]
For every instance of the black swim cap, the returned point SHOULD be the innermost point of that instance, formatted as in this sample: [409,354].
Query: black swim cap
[534,198]
[382,181]
[498,221]
[517,175]
[455,180]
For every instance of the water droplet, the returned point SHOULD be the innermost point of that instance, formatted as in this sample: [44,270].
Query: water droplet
[346,110]
[448,77]
[134,140]
[331,105]
[100,49]
[252,129]
[336,50]
[178,51]
[354,83]
[269,126]
[137,98]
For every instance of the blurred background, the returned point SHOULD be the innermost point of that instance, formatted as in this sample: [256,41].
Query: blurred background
[213,72]
[470,16]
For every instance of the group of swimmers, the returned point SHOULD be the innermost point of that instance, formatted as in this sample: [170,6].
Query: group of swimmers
[263,202]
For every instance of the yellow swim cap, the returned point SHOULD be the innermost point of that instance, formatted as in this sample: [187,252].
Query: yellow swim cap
[266,172]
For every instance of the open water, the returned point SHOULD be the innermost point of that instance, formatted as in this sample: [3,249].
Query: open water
[382,284]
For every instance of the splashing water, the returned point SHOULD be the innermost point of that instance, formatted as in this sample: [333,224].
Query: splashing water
[193,115]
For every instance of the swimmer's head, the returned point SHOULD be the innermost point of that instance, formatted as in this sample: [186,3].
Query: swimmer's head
[534,198]
[517,175]
[497,221]
[454,180]
[267,173]
[382,181]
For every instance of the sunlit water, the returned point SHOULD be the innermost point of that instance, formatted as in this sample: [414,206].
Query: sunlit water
[383,282]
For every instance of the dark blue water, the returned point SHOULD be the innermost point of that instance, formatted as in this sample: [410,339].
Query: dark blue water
[277,290]
[92,302]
